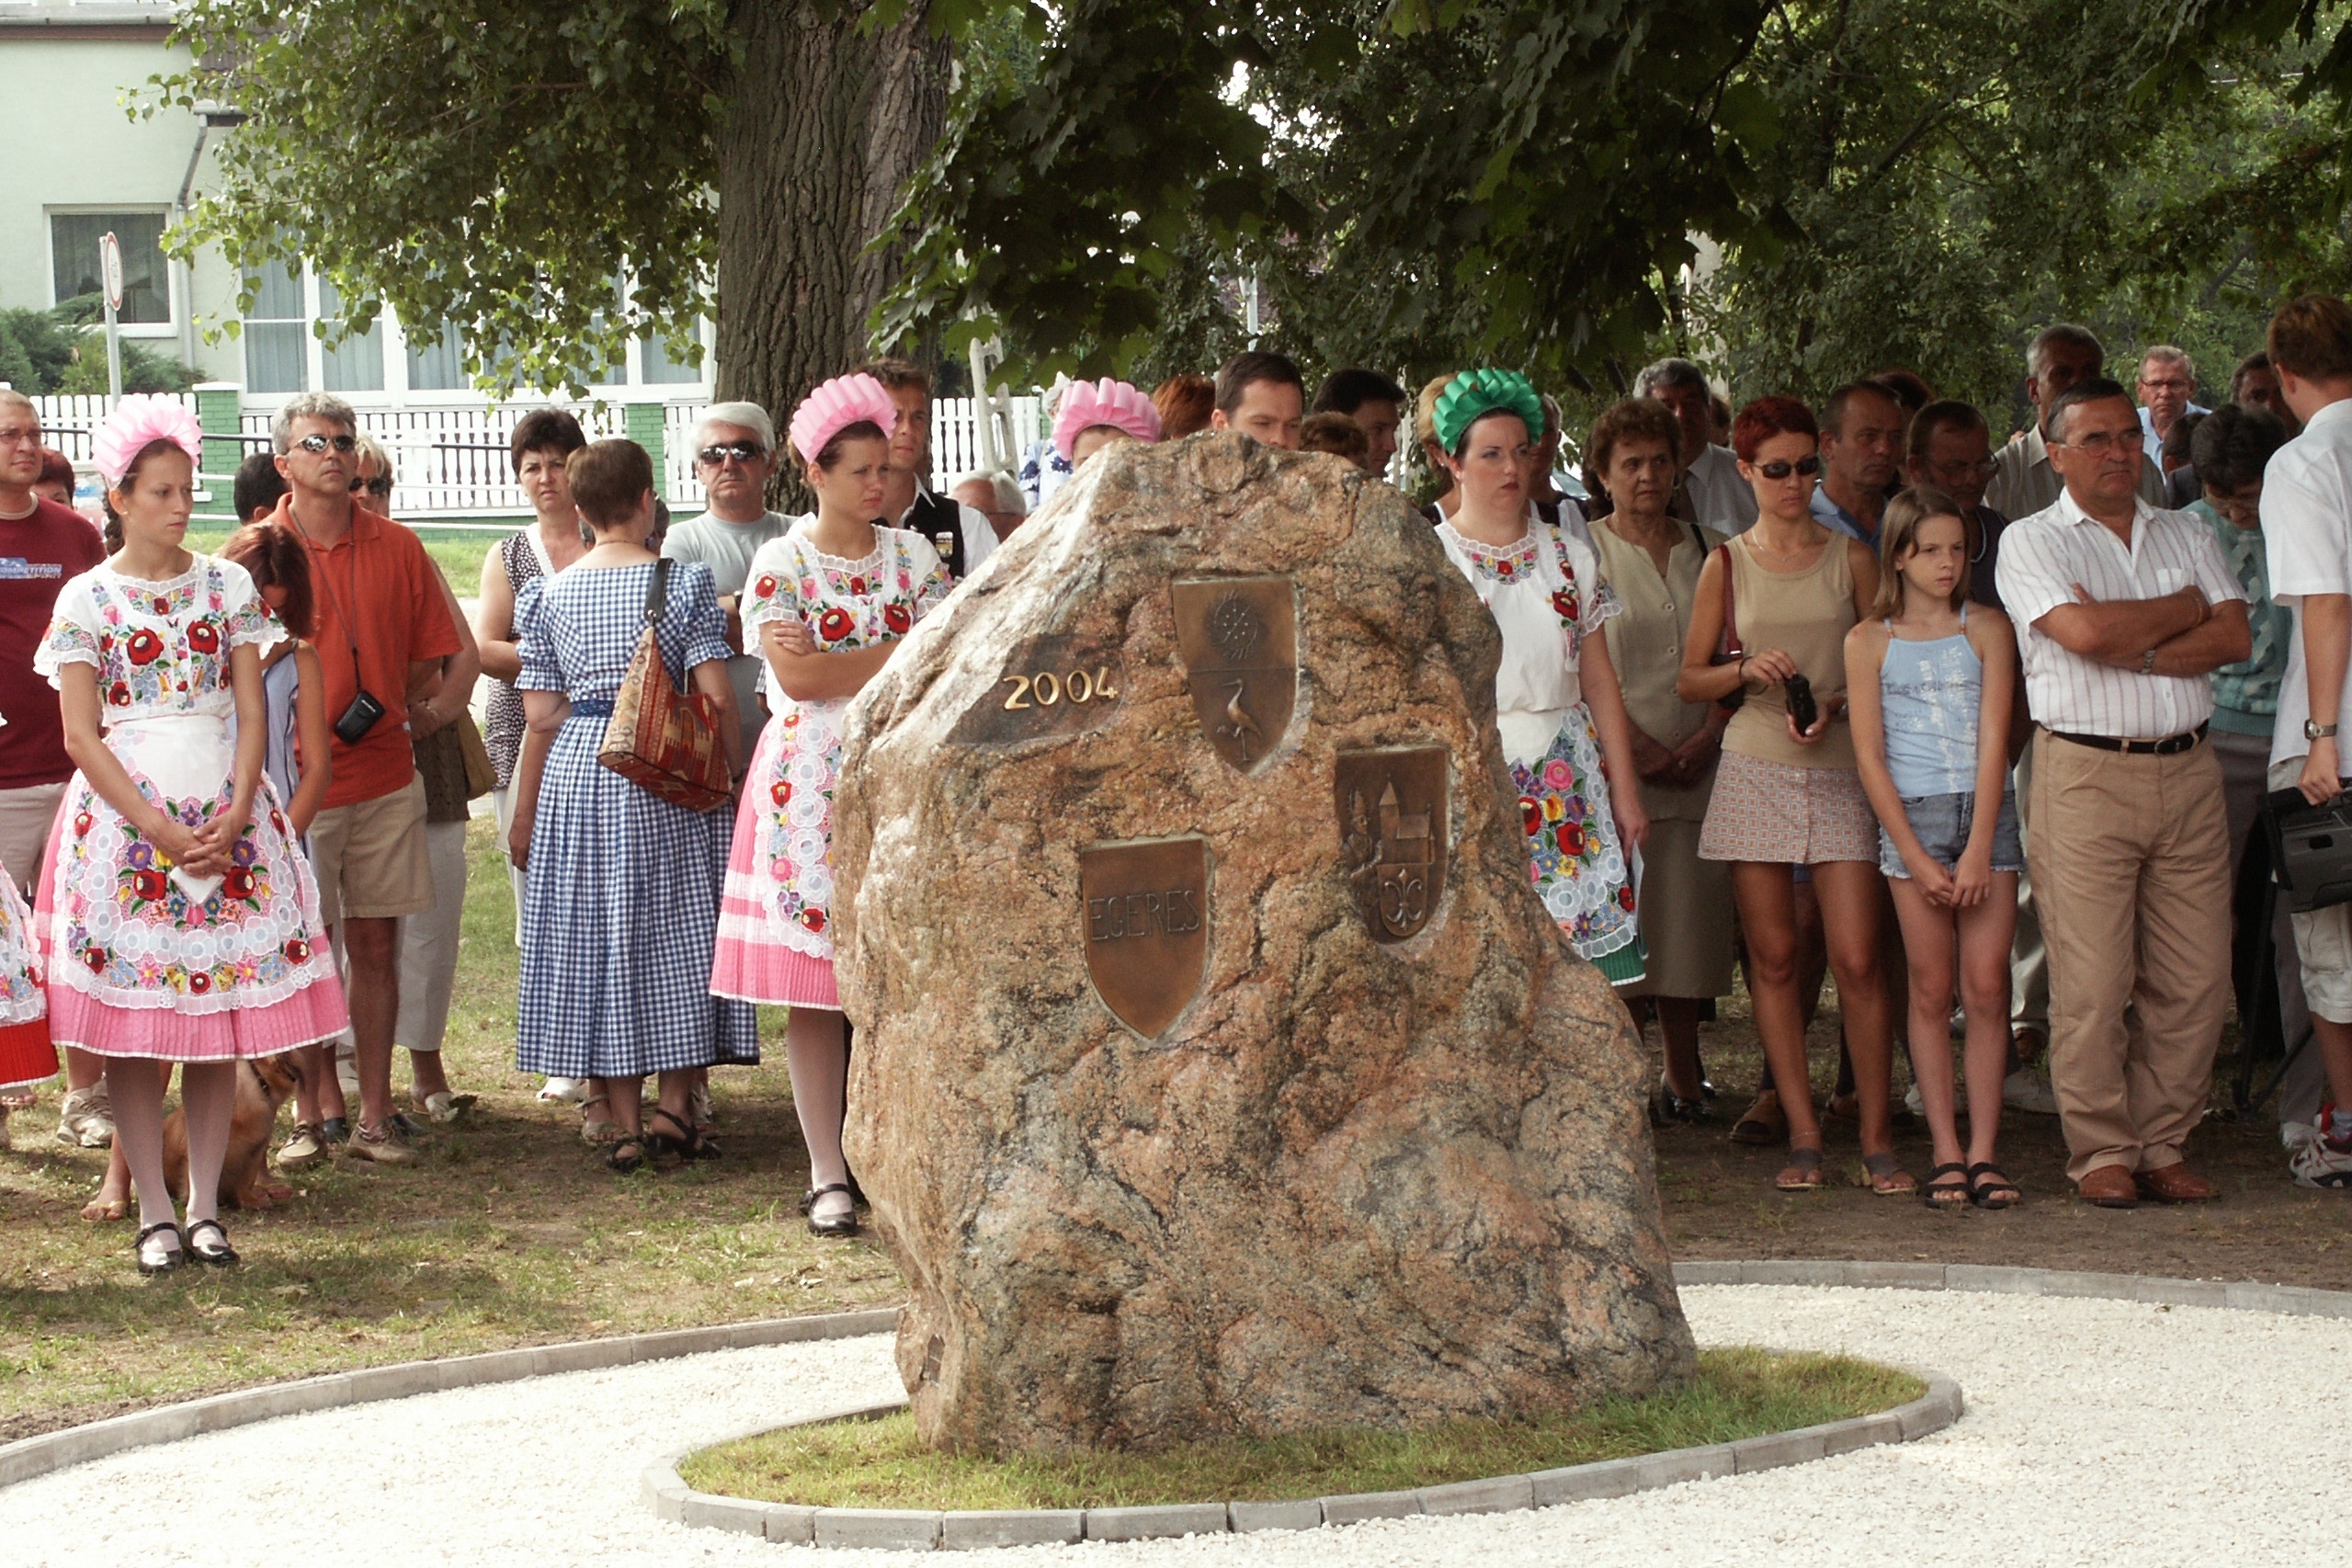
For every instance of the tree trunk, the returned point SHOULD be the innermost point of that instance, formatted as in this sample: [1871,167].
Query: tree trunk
[828,124]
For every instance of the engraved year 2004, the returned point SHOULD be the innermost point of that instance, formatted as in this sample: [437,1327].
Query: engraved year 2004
[1048,688]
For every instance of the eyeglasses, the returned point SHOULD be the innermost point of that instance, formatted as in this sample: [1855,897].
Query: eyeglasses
[742,451]
[380,485]
[21,436]
[1806,466]
[2103,444]
[1984,469]
[317,444]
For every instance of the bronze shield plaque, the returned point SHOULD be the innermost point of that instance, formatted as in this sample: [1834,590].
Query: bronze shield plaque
[1239,640]
[1393,819]
[1144,919]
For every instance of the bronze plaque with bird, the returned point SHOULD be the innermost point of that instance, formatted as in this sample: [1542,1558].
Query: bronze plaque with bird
[1239,640]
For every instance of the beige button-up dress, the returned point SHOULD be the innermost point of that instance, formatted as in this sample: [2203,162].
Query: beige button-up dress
[1685,902]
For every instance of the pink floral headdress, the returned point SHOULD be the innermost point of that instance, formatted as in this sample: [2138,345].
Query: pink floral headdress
[1107,401]
[138,422]
[834,407]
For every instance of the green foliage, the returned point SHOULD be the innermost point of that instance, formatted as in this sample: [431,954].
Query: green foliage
[467,160]
[57,351]
[1486,179]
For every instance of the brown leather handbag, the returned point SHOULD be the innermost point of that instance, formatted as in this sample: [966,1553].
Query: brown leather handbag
[1727,647]
[659,738]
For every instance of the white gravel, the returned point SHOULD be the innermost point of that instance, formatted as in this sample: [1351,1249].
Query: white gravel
[2096,1432]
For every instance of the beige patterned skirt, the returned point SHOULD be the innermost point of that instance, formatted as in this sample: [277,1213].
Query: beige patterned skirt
[1799,816]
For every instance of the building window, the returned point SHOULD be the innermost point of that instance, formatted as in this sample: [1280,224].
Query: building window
[661,367]
[355,364]
[74,257]
[275,328]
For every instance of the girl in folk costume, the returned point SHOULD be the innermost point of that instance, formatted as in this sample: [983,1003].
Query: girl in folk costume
[177,920]
[26,1058]
[828,602]
[1095,413]
[1557,702]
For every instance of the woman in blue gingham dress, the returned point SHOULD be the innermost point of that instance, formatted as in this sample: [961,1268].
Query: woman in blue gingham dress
[622,904]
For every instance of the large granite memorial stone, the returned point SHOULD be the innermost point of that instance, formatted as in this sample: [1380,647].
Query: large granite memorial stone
[1217,1070]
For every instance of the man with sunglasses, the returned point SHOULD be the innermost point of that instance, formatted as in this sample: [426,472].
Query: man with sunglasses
[735,455]
[383,629]
[2122,612]
[42,546]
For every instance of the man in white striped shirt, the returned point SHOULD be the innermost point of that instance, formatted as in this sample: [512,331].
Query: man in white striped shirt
[2122,610]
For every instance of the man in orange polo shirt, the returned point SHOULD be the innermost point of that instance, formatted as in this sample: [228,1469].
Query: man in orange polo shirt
[384,628]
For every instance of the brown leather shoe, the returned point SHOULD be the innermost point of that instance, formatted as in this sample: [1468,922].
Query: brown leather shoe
[2173,1184]
[2108,1187]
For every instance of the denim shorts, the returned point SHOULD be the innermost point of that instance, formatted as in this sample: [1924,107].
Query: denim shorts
[1943,823]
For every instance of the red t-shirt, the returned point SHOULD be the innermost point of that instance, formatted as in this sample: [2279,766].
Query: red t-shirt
[379,575]
[38,554]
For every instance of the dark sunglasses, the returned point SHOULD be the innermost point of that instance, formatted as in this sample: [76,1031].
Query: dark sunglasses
[316,444]
[1806,466]
[379,486]
[742,451]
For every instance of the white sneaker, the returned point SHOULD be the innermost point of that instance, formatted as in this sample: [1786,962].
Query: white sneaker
[2027,1090]
[2293,1135]
[564,1091]
[2322,1162]
[1913,1103]
[86,1118]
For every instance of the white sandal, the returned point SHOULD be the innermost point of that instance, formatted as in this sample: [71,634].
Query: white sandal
[596,1130]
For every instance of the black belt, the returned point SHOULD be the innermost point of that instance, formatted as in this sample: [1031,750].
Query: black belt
[2170,745]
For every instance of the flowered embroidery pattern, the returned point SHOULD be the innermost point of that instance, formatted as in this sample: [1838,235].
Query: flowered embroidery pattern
[845,605]
[1580,615]
[159,647]
[1575,860]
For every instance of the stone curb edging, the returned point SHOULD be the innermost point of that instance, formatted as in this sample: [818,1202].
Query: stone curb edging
[2288,1300]
[31,1456]
[919,1530]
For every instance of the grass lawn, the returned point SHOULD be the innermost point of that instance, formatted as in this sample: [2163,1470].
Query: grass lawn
[459,552]
[879,1464]
[511,1232]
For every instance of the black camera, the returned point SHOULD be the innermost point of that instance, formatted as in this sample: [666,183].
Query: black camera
[1801,706]
[358,718]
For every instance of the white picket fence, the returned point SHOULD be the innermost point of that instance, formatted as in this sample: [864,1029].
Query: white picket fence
[451,461]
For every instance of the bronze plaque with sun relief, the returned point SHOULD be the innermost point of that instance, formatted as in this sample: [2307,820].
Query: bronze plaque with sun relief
[1239,636]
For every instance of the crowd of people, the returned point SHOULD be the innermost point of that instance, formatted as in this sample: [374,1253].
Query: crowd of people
[1984,733]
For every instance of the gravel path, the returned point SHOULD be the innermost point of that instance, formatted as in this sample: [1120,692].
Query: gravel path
[2098,1432]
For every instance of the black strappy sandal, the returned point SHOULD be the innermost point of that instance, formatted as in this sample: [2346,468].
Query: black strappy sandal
[1938,1193]
[172,1259]
[627,1154]
[219,1256]
[835,1225]
[1989,1188]
[693,1145]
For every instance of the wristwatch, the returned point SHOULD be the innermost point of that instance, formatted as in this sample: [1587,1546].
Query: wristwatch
[2318,731]
[2148,663]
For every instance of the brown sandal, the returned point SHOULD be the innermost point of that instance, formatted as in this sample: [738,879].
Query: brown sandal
[1763,1123]
[1887,1179]
[1802,1173]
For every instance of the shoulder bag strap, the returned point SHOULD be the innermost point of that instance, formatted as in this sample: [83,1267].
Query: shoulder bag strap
[658,591]
[1729,641]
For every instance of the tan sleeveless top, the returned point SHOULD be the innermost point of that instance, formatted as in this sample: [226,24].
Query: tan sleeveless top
[1805,614]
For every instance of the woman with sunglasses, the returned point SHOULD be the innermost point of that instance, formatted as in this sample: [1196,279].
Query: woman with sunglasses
[1788,794]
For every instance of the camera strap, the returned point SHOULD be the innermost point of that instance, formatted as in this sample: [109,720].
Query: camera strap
[327,579]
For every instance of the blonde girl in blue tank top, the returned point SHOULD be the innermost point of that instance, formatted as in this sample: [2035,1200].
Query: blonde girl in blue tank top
[1932,679]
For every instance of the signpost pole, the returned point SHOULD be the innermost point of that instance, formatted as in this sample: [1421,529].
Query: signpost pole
[111,270]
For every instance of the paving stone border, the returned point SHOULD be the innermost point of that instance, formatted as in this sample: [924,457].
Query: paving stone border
[904,1530]
[29,1457]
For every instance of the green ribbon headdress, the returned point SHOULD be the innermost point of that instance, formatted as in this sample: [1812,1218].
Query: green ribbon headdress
[1476,393]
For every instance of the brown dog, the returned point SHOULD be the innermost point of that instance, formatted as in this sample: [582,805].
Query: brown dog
[264,1084]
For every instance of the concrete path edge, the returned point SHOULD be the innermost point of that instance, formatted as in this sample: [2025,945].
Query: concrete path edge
[29,1457]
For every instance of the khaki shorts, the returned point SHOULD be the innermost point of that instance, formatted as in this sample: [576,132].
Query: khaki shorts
[25,818]
[370,857]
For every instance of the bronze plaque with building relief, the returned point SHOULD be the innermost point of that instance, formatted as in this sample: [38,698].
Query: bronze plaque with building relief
[1392,822]
[1144,916]
[1239,640]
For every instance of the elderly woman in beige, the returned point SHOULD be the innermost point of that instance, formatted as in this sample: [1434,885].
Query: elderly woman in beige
[1789,796]
[1652,559]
